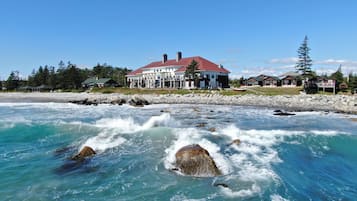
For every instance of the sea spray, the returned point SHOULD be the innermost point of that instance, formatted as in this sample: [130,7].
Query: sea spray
[114,131]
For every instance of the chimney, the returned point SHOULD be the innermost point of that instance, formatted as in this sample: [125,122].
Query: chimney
[178,56]
[164,58]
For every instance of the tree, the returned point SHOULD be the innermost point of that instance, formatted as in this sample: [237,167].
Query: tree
[352,81]
[338,76]
[304,62]
[13,80]
[191,72]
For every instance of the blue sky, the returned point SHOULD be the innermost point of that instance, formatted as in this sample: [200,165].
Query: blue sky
[248,37]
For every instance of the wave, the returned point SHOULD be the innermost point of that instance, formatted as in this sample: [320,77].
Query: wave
[114,131]
[193,136]
[249,163]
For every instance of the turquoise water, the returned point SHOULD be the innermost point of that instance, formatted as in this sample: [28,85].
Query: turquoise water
[310,156]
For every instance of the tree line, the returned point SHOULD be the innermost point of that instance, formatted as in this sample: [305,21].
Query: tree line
[66,76]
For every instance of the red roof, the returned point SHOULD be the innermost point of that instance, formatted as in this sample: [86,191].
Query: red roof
[203,65]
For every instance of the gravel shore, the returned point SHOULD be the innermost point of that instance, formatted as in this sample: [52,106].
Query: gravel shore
[334,103]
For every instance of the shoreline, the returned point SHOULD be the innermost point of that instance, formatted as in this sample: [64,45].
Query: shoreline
[330,103]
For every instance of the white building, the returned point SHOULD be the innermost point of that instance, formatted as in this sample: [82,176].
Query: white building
[171,74]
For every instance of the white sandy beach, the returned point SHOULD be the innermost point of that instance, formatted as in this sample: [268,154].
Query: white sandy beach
[336,103]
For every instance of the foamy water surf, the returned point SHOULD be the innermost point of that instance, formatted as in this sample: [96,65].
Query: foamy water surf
[278,158]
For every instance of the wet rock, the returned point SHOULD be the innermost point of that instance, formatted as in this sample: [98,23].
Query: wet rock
[236,142]
[212,129]
[281,113]
[118,101]
[84,153]
[194,160]
[138,102]
[221,184]
[85,101]
[200,125]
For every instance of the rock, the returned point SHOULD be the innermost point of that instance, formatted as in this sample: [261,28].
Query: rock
[138,102]
[194,160]
[236,142]
[221,184]
[212,129]
[200,125]
[84,153]
[118,101]
[283,114]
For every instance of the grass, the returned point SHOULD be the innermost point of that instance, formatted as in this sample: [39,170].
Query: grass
[227,92]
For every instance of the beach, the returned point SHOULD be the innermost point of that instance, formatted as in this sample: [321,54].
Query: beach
[328,103]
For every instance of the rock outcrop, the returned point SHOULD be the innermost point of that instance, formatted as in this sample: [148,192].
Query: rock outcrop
[194,160]
[84,153]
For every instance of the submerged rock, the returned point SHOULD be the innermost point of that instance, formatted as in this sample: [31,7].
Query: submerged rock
[236,142]
[213,129]
[195,161]
[84,153]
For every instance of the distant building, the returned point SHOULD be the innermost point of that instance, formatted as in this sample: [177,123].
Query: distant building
[171,74]
[99,82]
[263,81]
[326,84]
[290,79]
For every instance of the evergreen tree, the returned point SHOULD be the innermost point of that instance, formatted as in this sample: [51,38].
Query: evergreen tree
[45,75]
[338,76]
[304,62]
[13,80]
[52,80]
[191,72]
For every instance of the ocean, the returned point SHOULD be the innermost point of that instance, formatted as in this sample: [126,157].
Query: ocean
[309,156]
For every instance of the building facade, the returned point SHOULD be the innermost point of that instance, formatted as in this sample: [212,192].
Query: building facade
[171,74]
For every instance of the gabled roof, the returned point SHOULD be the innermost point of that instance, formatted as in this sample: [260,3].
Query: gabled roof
[203,65]
[94,80]
[290,73]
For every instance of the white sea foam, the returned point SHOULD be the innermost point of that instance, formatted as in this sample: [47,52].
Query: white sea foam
[276,197]
[327,132]
[104,141]
[255,189]
[114,131]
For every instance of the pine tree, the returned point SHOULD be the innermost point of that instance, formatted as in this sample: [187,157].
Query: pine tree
[191,71]
[304,62]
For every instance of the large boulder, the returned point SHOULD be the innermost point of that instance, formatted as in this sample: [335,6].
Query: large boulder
[84,153]
[194,160]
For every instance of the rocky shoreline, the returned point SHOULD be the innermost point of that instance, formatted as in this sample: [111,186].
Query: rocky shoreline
[331,103]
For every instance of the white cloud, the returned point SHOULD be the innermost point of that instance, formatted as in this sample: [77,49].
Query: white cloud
[337,62]
[288,60]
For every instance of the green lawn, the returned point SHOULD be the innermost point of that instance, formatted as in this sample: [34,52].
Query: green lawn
[226,92]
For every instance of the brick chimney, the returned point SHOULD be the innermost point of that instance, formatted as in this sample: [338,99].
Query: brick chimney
[164,58]
[178,56]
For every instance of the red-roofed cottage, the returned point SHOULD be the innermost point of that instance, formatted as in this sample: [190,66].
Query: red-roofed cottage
[171,74]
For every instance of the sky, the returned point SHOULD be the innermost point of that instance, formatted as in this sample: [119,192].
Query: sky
[248,37]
